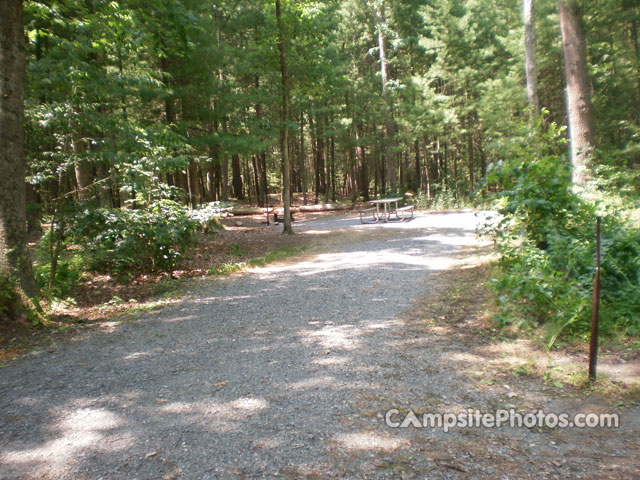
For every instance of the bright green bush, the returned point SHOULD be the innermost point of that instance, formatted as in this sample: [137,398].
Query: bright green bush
[120,239]
[442,201]
[8,298]
[547,241]
[208,216]
[68,273]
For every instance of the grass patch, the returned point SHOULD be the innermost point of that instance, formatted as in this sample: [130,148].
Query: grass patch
[527,369]
[166,288]
[149,306]
[464,311]
[279,254]
[226,268]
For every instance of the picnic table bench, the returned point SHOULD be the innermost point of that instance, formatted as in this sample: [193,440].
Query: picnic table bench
[403,210]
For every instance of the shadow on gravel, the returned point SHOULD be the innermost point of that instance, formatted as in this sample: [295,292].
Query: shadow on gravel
[283,371]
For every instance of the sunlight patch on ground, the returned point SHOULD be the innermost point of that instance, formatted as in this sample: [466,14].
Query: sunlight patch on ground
[86,428]
[384,325]
[370,441]
[331,360]
[328,262]
[316,232]
[219,417]
[249,404]
[465,357]
[342,337]
[136,355]
[420,220]
[178,319]
[313,383]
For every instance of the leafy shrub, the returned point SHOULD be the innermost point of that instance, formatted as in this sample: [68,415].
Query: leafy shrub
[442,201]
[120,239]
[226,268]
[8,298]
[546,239]
[68,273]
[207,216]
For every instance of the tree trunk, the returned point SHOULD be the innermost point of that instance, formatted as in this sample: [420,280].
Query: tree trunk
[247,176]
[427,172]
[224,165]
[445,167]
[82,169]
[416,146]
[327,162]
[238,191]
[636,49]
[303,170]
[260,165]
[528,14]
[363,180]
[104,182]
[316,161]
[256,181]
[285,118]
[388,129]
[195,190]
[580,119]
[15,260]
[454,156]
[333,170]
[472,179]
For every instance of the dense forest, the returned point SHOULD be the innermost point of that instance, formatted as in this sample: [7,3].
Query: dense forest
[142,119]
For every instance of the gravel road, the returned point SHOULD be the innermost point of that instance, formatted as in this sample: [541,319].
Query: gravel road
[285,371]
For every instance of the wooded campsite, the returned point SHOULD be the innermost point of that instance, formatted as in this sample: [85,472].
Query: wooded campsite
[156,155]
[143,120]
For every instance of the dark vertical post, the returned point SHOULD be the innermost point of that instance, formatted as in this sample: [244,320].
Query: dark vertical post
[593,348]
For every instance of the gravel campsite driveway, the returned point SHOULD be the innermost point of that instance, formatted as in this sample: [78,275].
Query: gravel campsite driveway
[286,371]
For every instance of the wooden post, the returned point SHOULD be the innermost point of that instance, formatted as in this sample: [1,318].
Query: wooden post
[593,347]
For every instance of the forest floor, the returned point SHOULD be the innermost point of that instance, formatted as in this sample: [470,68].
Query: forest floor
[97,298]
[287,370]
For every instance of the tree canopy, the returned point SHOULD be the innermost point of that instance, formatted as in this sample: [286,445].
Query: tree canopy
[167,105]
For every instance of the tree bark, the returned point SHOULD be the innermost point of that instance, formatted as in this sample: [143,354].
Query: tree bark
[238,190]
[82,169]
[416,146]
[285,118]
[528,14]
[363,179]
[317,160]
[260,166]
[303,171]
[15,260]
[194,182]
[472,179]
[333,169]
[224,165]
[384,73]
[578,100]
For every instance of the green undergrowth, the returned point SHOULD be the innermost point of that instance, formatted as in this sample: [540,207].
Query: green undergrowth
[546,237]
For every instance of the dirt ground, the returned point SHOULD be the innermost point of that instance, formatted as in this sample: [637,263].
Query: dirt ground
[98,298]
[288,370]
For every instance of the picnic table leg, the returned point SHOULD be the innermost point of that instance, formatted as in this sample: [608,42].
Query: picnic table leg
[377,212]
